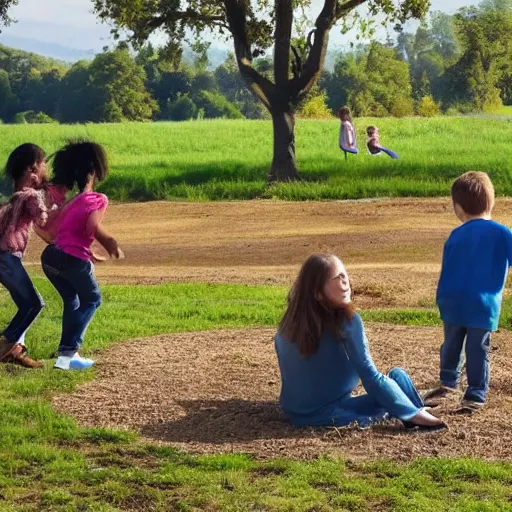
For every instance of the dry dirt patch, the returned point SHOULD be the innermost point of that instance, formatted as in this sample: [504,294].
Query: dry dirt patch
[216,391]
[392,248]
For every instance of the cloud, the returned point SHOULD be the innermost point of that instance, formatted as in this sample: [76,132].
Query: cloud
[66,22]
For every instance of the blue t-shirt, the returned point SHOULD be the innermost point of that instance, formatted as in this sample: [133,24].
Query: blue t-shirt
[476,258]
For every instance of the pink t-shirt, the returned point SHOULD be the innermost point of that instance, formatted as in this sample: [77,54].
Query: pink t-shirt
[72,235]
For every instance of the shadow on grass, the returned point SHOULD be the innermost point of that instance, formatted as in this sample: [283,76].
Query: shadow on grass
[175,173]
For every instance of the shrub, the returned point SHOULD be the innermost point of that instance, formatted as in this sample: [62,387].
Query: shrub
[19,118]
[427,107]
[183,109]
[315,108]
[32,117]
[402,107]
[216,105]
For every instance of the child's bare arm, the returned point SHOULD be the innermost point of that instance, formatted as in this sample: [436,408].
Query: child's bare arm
[109,243]
[46,236]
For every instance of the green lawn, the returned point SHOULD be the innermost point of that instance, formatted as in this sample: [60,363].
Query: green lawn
[48,463]
[222,159]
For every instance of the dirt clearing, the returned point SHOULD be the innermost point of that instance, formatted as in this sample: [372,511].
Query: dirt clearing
[392,248]
[217,391]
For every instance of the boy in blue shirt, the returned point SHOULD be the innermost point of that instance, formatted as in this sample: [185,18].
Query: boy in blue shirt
[476,258]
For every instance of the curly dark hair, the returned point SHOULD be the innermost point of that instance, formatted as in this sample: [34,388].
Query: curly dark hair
[77,161]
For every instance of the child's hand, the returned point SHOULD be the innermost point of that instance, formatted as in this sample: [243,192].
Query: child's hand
[118,254]
[112,248]
[98,258]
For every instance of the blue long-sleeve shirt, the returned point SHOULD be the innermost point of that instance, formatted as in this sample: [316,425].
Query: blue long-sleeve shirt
[476,258]
[317,390]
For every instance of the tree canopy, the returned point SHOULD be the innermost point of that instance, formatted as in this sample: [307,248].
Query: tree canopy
[449,63]
[255,26]
[5,5]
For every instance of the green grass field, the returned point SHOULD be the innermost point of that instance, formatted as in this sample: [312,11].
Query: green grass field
[216,160]
[48,463]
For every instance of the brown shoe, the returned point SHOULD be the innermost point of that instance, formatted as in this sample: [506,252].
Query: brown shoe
[433,397]
[6,348]
[469,407]
[22,359]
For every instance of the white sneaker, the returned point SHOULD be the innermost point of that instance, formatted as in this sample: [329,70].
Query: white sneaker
[73,363]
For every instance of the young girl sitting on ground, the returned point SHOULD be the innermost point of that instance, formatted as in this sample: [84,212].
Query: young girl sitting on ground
[33,198]
[323,352]
[68,261]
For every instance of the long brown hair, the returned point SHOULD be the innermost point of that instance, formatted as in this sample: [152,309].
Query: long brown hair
[345,111]
[306,317]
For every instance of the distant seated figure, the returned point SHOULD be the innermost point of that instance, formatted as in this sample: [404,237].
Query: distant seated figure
[373,143]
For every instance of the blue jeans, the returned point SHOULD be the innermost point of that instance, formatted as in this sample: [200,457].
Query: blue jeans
[74,279]
[18,283]
[366,409]
[477,359]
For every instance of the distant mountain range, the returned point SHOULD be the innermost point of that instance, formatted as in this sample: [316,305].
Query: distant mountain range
[216,54]
[53,50]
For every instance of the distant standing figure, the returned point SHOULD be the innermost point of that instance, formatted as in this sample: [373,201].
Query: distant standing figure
[348,142]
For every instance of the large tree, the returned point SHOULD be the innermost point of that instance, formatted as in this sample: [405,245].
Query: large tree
[485,38]
[256,26]
[4,7]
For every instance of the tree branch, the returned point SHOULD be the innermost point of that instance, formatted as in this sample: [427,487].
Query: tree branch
[260,86]
[188,15]
[346,7]
[330,14]
[283,36]
[297,64]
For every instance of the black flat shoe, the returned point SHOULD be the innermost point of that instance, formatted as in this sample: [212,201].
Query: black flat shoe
[425,428]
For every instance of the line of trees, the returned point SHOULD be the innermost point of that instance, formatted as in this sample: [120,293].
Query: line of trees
[460,63]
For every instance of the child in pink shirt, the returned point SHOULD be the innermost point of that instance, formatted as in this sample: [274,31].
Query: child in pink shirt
[68,261]
[33,198]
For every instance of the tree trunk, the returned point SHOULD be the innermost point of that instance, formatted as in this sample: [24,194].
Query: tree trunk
[283,164]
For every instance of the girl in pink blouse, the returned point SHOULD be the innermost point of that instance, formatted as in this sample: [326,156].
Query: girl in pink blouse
[68,262]
[33,198]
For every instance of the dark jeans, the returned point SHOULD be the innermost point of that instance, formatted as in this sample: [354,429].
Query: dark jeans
[18,283]
[74,279]
[477,359]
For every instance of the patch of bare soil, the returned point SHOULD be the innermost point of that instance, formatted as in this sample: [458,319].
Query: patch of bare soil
[392,248]
[217,391]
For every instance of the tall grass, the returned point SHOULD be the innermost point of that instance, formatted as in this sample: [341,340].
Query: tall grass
[224,160]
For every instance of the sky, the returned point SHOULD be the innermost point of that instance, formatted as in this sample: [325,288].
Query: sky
[71,23]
